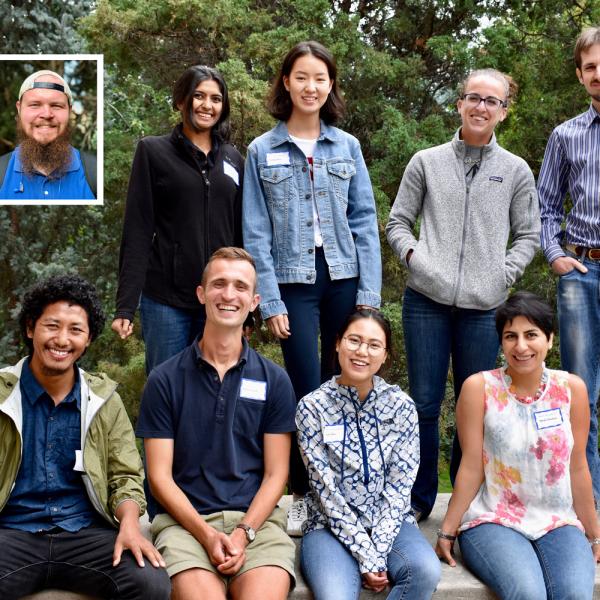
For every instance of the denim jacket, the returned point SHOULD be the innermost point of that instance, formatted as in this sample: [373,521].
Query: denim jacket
[278,214]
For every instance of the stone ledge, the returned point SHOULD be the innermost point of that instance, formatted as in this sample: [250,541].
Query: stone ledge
[456,583]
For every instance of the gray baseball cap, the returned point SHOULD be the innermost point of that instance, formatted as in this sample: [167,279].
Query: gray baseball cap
[30,83]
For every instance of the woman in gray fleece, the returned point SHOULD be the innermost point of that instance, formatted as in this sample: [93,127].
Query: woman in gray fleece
[479,229]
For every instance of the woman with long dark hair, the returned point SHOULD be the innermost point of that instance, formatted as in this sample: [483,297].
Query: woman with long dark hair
[310,223]
[184,202]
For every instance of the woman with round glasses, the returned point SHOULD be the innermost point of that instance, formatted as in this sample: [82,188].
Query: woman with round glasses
[479,229]
[359,440]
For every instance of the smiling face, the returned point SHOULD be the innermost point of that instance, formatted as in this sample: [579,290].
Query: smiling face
[44,113]
[60,336]
[359,365]
[206,108]
[479,122]
[589,74]
[228,292]
[308,84]
[525,346]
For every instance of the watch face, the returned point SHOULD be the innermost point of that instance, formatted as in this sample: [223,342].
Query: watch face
[250,534]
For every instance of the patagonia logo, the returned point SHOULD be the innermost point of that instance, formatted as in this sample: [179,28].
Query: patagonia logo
[496,178]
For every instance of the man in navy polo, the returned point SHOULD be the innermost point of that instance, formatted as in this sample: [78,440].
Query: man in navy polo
[217,421]
[45,166]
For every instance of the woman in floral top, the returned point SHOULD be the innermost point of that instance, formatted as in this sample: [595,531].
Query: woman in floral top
[359,439]
[523,504]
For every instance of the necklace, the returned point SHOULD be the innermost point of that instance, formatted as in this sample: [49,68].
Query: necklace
[526,399]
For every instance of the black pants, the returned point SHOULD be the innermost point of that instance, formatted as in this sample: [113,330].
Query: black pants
[313,309]
[78,562]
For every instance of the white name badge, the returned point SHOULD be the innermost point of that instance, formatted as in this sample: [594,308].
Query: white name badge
[278,158]
[333,433]
[231,171]
[78,461]
[545,419]
[253,389]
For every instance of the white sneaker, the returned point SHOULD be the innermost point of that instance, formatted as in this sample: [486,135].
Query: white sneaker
[296,516]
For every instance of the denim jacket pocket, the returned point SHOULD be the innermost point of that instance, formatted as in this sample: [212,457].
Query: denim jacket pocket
[340,174]
[276,183]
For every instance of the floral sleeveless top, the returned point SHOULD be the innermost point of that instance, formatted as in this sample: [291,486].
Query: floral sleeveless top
[526,455]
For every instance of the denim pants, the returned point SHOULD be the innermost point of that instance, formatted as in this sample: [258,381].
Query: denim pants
[78,562]
[432,333]
[558,566]
[579,327]
[168,330]
[332,573]
[312,308]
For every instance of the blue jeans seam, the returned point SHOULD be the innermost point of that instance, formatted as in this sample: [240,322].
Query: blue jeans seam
[408,579]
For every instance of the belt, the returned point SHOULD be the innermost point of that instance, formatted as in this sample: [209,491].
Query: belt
[582,252]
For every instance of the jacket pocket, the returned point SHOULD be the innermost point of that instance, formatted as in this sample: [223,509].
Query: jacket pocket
[276,183]
[340,174]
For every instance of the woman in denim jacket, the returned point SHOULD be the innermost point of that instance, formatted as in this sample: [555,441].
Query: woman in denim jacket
[309,221]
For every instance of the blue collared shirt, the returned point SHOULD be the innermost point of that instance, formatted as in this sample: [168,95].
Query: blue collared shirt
[72,185]
[571,163]
[48,493]
[217,426]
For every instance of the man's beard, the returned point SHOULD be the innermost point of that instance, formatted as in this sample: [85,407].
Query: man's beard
[53,158]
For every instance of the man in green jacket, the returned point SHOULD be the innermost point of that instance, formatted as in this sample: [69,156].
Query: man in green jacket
[70,474]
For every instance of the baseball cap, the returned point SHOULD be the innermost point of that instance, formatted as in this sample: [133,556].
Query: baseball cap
[30,83]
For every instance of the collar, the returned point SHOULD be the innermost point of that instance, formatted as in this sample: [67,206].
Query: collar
[34,391]
[199,360]
[280,134]
[345,391]
[74,165]
[591,116]
[460,148]
[189,146]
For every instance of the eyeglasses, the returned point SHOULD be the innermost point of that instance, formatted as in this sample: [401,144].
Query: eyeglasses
[353,343]
[491,102]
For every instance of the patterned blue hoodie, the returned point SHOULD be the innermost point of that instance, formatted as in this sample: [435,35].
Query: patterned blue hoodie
[362,460]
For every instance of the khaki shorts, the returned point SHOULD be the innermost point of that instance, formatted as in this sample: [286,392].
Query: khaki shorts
[182,551]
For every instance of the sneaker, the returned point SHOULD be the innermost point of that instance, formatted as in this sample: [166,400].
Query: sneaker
[296,516]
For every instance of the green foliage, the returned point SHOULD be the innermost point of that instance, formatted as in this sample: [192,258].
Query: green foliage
[399,66]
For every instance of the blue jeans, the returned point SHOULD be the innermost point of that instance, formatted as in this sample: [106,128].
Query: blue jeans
[168,330]
[332,573]
[316,308]
[579,326]
[432,333]
[558,566]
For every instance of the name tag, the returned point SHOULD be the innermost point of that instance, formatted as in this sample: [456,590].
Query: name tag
[278,158]
[253,389]
[333,433]
[545,419]
[78,462]
[231,171]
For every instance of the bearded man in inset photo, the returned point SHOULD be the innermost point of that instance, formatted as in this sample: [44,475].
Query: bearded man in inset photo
[45,166]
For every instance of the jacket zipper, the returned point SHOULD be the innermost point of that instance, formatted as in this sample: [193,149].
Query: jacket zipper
[363,448]
[206,223]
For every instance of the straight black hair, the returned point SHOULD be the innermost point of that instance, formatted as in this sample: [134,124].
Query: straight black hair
[369,313]
[280,103]
[183,96]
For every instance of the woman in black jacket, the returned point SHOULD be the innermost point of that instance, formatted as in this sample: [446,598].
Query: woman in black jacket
[183,203]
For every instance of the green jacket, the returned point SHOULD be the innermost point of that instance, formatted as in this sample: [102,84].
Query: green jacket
[112,466]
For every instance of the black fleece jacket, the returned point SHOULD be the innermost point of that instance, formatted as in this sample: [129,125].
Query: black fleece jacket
[181,206]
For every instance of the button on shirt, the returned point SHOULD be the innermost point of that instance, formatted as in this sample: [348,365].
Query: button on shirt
[571,163]
[217,426]
[48,493]
[73,185]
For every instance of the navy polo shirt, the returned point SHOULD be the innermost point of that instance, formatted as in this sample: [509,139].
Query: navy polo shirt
[48,493]
[217,426]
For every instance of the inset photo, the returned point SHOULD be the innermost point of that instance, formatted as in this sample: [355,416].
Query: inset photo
[51,129]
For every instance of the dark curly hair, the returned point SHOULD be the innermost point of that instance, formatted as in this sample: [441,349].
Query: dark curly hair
[69,288]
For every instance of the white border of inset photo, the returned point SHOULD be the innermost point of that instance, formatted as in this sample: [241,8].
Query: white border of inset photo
[99,58]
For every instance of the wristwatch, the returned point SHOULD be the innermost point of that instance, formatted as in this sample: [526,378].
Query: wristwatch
[250,533]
